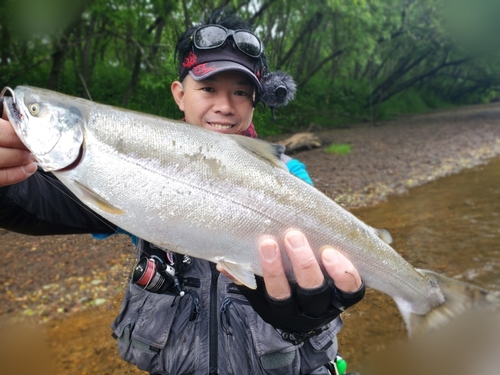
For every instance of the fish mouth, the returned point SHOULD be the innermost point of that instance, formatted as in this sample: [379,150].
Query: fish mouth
[14,114]
[19,118]
[13,111]
[56,142]
[5,90]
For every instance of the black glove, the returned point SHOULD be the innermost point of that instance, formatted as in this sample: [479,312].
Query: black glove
[306,312]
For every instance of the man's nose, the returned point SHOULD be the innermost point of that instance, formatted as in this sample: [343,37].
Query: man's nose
[224,104]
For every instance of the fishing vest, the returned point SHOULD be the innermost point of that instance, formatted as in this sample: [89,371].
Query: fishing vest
[212,329]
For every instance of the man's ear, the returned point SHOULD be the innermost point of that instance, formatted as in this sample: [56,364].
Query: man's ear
[178,94]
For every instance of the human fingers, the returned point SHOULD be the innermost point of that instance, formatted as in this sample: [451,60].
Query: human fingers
[305,266]
[275,279]
[8,137]
[16,162]
[9,176]
[3,114]
[14,157]
[343,273]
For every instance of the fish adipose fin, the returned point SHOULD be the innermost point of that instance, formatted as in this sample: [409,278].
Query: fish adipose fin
[88,195]
[459,298]
[242,273]
[271,152]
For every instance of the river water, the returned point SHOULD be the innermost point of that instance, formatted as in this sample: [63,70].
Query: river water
[451,226]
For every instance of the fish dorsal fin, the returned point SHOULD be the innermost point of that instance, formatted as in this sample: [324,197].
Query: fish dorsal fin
[241,272]
[384,235]
[270,152]
[88,195]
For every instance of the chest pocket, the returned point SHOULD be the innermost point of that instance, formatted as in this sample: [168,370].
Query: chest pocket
[244,332]
[143,329]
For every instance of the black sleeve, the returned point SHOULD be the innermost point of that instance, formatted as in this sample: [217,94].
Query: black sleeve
[42,205]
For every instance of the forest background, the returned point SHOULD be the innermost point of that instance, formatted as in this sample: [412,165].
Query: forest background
[352,59]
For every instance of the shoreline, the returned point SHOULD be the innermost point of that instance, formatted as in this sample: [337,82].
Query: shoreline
[393,156]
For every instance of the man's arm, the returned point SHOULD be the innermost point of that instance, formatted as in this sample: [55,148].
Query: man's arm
[42,205]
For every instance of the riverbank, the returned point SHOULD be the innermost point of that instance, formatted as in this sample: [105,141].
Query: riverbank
[391,157]
[74,283]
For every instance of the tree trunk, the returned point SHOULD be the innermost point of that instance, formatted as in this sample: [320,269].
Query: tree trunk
[135,77]
[85,69]
[309,27]
[58,59]
[5,45]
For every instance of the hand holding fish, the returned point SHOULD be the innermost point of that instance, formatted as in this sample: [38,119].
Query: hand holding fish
[305,267]
[307,306]
[16,162]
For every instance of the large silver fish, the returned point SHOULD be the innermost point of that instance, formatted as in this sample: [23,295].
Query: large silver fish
[213,196]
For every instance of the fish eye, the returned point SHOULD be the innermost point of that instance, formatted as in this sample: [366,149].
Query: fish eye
[34,108]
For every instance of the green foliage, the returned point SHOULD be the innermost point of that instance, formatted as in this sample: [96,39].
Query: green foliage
[411,101]
[352,60]
[338,149]
[323,105]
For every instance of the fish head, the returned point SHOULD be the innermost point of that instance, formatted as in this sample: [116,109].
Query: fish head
[50,125]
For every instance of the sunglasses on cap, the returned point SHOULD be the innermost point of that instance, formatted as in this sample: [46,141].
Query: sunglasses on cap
[214,36]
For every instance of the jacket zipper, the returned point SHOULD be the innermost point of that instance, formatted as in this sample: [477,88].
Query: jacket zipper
[213,331]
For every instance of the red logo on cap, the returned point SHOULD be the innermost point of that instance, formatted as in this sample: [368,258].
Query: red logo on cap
[202,69]
[190,60]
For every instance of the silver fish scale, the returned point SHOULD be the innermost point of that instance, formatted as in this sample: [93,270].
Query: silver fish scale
[202,194]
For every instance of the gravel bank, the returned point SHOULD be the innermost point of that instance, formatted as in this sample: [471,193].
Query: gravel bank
[392,156]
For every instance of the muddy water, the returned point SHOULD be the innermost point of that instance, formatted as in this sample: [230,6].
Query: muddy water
[451,226]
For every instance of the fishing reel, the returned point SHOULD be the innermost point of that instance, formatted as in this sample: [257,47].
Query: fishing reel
[156,276]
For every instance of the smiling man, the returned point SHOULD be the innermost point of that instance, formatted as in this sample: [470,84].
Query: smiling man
[200,322]
[223,103]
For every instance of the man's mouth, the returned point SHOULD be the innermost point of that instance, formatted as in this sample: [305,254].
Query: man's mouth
[221,126]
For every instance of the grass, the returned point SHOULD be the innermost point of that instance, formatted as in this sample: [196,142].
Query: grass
[338,149]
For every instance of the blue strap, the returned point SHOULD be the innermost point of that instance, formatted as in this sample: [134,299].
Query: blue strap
[102,236]
[298,169]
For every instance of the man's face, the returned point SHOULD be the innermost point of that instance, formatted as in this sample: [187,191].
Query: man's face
[222,102]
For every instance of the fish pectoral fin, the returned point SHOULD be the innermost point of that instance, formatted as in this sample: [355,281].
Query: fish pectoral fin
[91,196]
[384,235]
[270,152]
[242,273]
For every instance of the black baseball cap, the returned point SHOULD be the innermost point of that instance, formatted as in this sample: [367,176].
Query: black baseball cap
[201,64]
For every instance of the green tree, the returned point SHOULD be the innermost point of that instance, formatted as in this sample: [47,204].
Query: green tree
[351,59]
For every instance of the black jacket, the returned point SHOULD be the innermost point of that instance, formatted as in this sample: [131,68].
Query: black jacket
[42,205]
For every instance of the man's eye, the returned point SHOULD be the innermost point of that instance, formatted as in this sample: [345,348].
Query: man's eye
[242,93]
[208,89]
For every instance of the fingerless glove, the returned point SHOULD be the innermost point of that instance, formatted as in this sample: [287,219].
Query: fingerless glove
[305,312]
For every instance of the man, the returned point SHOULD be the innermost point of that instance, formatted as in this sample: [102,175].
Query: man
[200,321]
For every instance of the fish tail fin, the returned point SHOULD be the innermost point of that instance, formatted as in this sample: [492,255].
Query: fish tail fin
[459,297]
